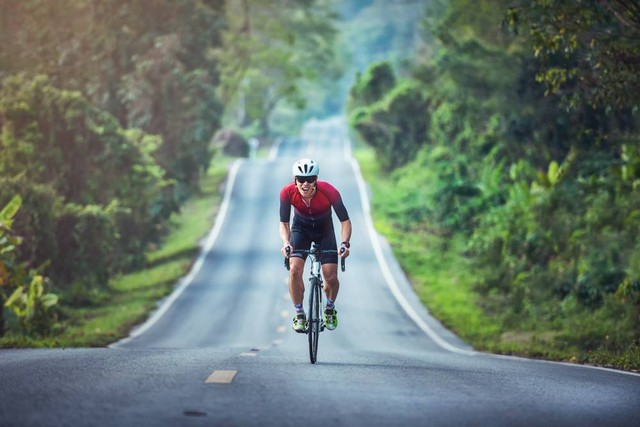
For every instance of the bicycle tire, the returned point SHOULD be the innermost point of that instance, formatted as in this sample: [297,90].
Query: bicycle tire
[314,319]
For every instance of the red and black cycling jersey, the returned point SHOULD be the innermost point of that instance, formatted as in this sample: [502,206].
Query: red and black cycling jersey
[318,211]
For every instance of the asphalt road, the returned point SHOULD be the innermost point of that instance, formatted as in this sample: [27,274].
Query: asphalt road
[220,351]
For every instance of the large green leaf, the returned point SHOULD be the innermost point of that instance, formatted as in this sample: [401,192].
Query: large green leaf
[8,212]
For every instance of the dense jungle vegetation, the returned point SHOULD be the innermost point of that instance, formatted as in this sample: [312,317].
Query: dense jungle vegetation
[511,158]
[504,145]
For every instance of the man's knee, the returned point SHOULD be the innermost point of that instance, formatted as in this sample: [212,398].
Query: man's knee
[331,276]
[296,268]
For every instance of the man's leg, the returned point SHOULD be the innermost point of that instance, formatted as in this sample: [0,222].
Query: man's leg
[331,286]
[296,290]
[331,283]
[296,284]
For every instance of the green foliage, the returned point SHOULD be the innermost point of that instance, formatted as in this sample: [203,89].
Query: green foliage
[58,137]
[79,173]
[164,98]
[269,51]
[395,124]
[588,50]
[109,313]
[547,198]
[33,307]
[371,87]
[35,222]
[21,290]
[87,238]
[380,30]
[159,55]
[9,268]
[8,242]
[8,212]
[432,193]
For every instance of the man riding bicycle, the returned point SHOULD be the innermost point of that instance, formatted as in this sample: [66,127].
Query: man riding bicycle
[312,201]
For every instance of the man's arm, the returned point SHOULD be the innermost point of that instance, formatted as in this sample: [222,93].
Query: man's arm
[285,236]
[345,234]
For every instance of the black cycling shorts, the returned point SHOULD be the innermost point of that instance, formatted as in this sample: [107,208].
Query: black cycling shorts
[301,238]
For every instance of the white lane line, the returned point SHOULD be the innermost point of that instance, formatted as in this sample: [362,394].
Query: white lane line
[282,329]
[221,377]
[249,354]
[186,281]
[386,271]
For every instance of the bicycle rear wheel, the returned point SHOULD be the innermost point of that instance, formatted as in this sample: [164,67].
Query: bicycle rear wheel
[315,318]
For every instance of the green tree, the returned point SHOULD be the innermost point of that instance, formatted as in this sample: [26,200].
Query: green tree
[588,50]
[164,98]
[56,138]
[130,47]
[8,244]
[370,87]
[21,290]
[269,50]
[395,124]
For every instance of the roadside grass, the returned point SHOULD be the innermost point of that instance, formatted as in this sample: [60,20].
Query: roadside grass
[127,302]
[130,297]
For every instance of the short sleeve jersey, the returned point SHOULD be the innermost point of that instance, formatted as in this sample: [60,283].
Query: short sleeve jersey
[318,211]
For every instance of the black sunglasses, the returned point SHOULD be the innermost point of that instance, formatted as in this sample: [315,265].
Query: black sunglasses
[309,179]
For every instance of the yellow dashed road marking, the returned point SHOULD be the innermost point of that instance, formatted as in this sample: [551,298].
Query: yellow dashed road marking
[221,377]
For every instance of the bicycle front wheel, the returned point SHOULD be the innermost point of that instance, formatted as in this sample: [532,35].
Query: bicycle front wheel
[314,318]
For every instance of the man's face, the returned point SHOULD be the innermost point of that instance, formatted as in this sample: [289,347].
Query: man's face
[306,184]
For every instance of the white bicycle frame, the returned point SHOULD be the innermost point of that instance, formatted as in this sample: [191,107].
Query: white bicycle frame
[315,268]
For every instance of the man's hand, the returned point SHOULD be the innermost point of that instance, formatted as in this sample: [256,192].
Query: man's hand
[344,249]
[286,250]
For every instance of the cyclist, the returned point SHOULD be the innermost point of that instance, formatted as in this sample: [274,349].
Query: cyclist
[312,201]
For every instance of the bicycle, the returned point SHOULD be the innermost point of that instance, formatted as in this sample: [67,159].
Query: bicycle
[315,325]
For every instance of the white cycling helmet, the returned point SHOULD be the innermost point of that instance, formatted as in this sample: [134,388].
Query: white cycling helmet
[305,167]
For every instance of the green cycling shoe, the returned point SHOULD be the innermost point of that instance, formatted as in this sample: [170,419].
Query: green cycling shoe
[300,323]
[330,318]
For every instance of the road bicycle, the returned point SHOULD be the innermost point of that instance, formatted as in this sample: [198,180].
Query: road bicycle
[315,324]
